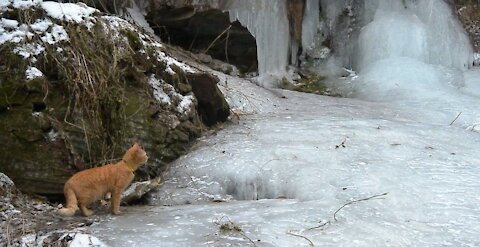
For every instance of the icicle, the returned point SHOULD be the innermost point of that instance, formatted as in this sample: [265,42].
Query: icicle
[267,22]
[311,23]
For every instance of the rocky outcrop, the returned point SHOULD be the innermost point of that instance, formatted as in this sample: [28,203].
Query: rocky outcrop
[79,89]
[468,12]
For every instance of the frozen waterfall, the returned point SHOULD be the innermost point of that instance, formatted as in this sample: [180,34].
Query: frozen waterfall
[411,52]
[424,30]
[267,21]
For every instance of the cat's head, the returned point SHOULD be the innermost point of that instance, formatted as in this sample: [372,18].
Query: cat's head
[135,156]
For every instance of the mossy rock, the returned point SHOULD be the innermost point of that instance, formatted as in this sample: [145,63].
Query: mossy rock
[92,102]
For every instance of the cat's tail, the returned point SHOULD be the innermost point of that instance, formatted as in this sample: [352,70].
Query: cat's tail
[71,198]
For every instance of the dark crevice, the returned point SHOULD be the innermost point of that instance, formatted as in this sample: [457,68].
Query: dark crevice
[197,32]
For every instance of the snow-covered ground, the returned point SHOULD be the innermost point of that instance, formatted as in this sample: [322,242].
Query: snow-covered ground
[278,176]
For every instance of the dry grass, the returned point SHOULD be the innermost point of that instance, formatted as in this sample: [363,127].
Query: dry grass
[90,68]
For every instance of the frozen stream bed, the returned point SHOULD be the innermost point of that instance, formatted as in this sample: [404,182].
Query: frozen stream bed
[278,176]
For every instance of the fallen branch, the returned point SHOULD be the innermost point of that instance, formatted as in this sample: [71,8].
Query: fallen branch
[355,201]
[215,40]
[319,226]
[300,236]
[456,118]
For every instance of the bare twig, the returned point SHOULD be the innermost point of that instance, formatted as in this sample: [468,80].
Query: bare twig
[300,236]
[319,226]
[460,113]
[341,144]
[226,46]
[231,227]
[193,41]
[215,40]
[355,201]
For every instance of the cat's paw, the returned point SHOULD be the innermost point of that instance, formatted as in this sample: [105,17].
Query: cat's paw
[87,213]
[116,212]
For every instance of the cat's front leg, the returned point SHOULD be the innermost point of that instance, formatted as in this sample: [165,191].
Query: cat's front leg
[115,203]
[85,211]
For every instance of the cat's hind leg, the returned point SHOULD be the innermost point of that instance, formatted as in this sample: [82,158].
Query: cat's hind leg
[71,204]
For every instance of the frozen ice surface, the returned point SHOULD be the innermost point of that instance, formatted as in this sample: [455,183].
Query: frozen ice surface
[292,161]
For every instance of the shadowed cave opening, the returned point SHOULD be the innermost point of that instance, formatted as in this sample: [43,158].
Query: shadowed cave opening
[209,32]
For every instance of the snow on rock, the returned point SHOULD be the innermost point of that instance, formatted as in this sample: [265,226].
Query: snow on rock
[5,182]
[118,24]
[172,61]
[58,34]
[68,11]
[186,104]
[41,25]
[32,73]
[138,13]
[82,240]
[476,59]
[71,239]
[158,91]
[24,4]
[9,24]
[14,36]
[166,94]
[28,50]
[51,31]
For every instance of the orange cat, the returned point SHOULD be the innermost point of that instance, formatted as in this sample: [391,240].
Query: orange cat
[90,185]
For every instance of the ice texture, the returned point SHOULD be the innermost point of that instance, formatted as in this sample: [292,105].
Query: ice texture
[411,53]
[293,161]
[267,21]
[421,30]
[311,23]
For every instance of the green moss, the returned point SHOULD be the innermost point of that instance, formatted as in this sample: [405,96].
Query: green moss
[133,39]
[313,84]
[94,96]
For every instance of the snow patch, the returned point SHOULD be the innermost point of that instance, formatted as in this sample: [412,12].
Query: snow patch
[82,240]
[5,181]
[28,50]
[186,104]
[161,56]
[138,14]
[68,11]
[41,25]
[58,34]
[52,135]
[166,94]
[32,73]
[25,4]
[7,23]
[158,92]
[77,239]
